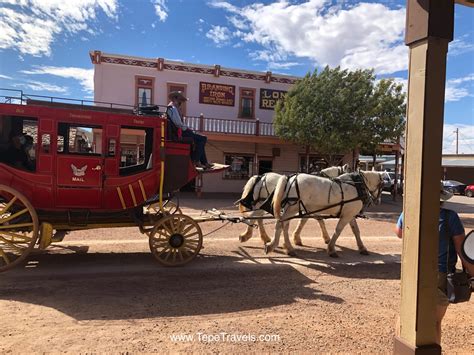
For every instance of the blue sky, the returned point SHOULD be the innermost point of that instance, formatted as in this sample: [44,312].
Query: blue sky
[44,44]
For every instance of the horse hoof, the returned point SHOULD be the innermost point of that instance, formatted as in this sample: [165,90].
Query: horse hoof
[327,241]
[333,255]
[266,240]
[364,252]
[268,248]
[291,253]
[299,243]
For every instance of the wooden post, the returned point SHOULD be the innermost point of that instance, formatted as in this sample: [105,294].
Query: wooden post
[257,127]
[201,122]
[429,29]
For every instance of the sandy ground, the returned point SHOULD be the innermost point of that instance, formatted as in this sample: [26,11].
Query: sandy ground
[102,291]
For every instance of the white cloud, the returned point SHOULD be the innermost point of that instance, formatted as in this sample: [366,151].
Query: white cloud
[219,35]
[457,89]
[466,138]
[161,9]
[43,86]
[5,77]
[364,35]
[460,46]
[282,65]
[84,76]
[31,26]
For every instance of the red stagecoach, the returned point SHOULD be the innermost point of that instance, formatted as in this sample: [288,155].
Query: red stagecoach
[90,166]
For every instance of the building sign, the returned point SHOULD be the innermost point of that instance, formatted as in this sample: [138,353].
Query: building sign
[216,94]
[269,98]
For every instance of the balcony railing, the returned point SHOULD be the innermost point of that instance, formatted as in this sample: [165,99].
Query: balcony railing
[225,126]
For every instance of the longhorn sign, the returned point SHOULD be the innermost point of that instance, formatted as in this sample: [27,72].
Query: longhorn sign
[78,172]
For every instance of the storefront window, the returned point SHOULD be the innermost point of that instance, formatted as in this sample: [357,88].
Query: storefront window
[241,166]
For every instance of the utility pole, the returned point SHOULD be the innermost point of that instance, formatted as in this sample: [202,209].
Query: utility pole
[457,140]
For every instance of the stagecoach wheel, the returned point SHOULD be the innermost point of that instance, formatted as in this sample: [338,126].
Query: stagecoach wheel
[169,207]
[175,239]
[19,227]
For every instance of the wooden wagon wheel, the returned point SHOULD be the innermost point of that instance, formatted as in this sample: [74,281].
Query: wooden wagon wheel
[169,207]
[175,239]
[19,227]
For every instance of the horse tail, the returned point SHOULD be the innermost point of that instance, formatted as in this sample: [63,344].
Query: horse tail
[278,195]
[247,190]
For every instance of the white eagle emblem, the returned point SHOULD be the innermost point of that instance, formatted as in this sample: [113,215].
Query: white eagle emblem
[78,172]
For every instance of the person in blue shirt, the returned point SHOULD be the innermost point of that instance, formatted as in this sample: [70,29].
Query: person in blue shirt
[451,230]
[199,153]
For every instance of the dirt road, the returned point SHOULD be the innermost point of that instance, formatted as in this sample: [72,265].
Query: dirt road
[102,291]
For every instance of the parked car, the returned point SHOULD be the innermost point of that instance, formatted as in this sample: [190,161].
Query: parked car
[469,191]
[389,182]
[454,186]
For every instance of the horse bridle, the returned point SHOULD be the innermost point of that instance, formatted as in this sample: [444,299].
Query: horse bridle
[373,195]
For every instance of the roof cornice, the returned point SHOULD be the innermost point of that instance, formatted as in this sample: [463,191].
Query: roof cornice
[98,57]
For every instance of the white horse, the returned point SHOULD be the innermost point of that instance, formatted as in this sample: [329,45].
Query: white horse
[256,191]
[313,195]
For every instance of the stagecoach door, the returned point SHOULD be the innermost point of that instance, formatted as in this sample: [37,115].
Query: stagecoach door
[79,166]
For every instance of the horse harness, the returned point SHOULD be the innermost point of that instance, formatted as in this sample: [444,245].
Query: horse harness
[353,179]
[248,201]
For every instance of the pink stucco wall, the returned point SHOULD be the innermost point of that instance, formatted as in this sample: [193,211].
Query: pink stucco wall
[116,83]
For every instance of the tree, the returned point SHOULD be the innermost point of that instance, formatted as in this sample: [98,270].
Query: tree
[336,111]
[387,121]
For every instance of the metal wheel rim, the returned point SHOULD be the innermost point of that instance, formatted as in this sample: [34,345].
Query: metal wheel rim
[164,229]
[19,227]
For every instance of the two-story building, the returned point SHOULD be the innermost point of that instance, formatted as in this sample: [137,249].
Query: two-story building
[234,108]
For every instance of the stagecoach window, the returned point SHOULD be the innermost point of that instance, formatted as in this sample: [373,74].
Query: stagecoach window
[136,146]
[75,139]
[18,141]
[241,166]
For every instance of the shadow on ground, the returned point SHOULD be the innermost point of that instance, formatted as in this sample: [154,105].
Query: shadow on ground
[133,286]
[350,264]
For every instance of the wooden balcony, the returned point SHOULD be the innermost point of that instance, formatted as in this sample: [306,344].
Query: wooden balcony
[221,129]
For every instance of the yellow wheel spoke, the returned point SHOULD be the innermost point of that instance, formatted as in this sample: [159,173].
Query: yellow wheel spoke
[167,229]
[193,235]
[8,205]
[160,244]
[186,230]
[164,250]
[15,226]
[15,215]
[4,256]
[180,255]
[168,254]
[11,244]
[16,235]
[174,256]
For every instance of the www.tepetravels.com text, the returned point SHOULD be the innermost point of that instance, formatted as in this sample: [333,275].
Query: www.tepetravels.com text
[224,337]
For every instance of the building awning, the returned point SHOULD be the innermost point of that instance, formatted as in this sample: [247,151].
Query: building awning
[459,163]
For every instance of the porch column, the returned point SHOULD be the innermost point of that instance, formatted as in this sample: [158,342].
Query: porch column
[429,29]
